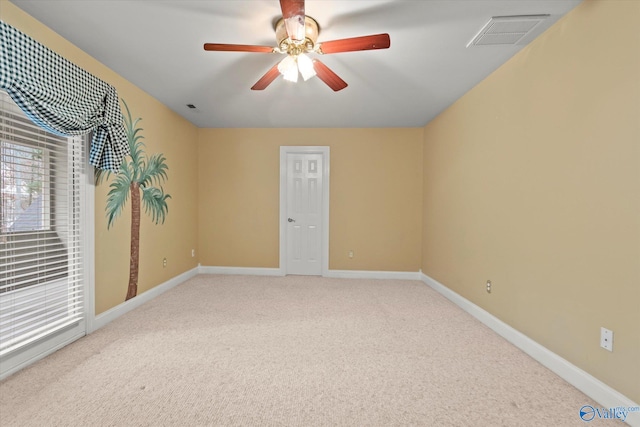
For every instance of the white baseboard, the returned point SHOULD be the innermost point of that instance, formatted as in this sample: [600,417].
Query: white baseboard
[583,381]
[338,274]
[363,274]
[246,271]
[110,315]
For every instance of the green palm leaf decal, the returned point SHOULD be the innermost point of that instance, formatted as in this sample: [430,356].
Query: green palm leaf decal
[100,175]
[137,177]
[119,194]
[155,203]
[134,139]
[147,172]
[154,172]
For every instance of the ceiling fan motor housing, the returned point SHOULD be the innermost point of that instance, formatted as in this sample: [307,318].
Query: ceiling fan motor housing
[286,45]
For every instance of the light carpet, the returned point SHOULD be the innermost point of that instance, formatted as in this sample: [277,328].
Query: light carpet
[292,351]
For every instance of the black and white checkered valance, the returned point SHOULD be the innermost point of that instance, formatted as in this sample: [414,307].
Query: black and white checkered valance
[62,97]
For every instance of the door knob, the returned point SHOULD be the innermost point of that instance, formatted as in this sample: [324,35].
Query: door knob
[291,220]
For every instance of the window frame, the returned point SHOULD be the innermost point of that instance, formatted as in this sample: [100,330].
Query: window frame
[83,196]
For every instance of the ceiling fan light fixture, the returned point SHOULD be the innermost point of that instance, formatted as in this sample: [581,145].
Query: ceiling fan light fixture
[305,65]
[291,76]
[289,68]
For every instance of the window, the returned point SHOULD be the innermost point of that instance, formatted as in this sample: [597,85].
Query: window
[25,213]
[24,172]
[41,213]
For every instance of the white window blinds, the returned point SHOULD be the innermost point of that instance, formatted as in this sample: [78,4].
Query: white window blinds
[41,277]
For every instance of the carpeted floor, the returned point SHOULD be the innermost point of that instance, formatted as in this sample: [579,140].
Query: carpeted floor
[292,351]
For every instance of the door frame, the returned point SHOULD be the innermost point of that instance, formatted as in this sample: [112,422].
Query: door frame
[325,152]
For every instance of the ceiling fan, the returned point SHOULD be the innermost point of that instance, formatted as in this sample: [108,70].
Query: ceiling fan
[296,35]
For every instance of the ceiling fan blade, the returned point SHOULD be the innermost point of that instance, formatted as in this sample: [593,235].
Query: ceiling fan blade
[325,74]
[293,15]
[266,80]
[223,47]
[292,8]
[377,41]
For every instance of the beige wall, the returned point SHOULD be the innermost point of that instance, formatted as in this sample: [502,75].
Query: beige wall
[532,180]
[164,132]
[375,199]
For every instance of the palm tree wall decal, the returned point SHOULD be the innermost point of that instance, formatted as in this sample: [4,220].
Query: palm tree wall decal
[137,177]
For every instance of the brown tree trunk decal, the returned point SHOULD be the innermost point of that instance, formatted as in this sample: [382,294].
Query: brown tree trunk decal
[134,259]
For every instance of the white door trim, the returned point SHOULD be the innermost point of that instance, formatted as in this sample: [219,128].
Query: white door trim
[284,151]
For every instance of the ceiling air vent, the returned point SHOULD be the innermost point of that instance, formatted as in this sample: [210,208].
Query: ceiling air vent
[506,29]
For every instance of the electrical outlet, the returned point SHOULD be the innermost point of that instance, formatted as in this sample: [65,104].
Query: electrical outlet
[488,286]
[606,339]
[350,254]
[164,262]
[193,253]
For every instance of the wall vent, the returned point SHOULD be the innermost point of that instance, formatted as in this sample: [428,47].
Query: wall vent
[506,29]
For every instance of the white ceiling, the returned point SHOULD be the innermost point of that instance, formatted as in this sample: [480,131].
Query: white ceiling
[158,46]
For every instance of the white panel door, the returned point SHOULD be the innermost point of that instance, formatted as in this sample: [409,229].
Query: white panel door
[304,210]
